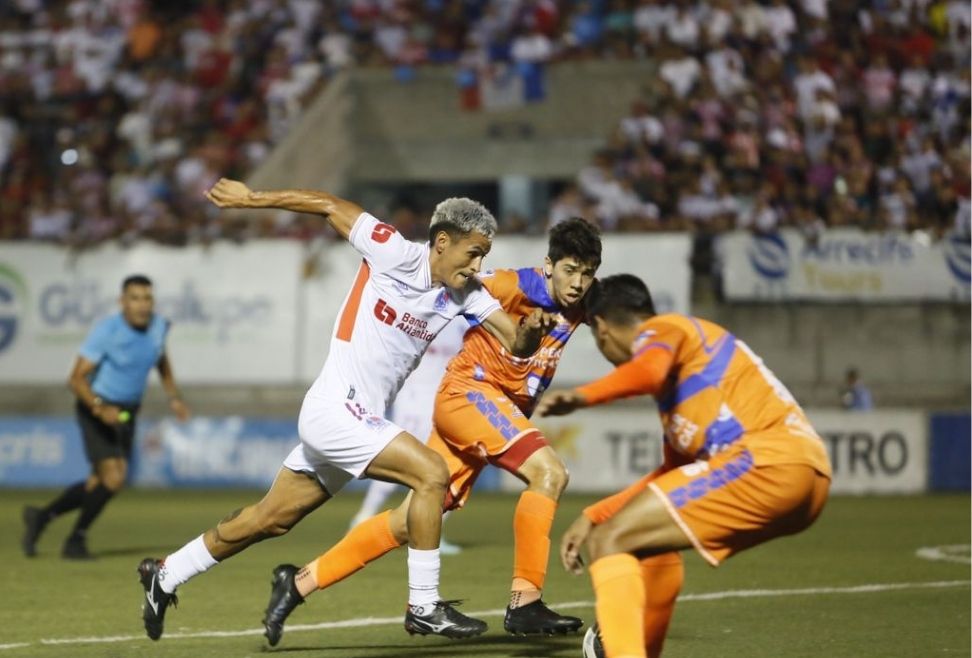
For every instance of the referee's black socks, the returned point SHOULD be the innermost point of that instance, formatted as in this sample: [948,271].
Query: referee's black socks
[70,499]
[94,501]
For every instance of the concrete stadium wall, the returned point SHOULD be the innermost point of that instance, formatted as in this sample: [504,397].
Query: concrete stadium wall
[908,355]
[367,127]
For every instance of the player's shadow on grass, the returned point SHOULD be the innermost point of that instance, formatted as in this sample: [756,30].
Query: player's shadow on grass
[498,645]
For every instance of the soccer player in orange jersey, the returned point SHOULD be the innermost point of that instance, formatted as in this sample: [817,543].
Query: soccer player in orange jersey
[742,463]
[481,417]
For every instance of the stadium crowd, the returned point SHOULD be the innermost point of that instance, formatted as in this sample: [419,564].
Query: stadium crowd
[115,115]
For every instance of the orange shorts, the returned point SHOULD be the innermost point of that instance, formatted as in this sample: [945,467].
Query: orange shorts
[733,502]
[477,426]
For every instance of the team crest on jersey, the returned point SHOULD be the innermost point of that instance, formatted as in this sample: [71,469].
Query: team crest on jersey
[376,422]
[486,274]
[479,373]
[642,339]
[442,300]
[401,285]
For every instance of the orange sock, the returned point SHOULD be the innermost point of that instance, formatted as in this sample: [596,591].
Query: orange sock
[531,538]
[662,575]
[365,542]
[620,595]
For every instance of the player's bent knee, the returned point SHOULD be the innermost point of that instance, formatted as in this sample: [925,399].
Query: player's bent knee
[434,475]
[604,540]
[558,476]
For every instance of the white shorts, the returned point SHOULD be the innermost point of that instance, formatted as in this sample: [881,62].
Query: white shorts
[338,440]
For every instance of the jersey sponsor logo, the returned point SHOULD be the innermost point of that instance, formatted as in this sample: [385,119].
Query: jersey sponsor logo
[681,431]
[415,327]
[409,324]
[382,232]
[384,312]
[356,410]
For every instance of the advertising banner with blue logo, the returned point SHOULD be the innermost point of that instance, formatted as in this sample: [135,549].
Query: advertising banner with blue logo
[845,265]
[41,452]
[233,308]
[882,452]
[259,313]
[212,452]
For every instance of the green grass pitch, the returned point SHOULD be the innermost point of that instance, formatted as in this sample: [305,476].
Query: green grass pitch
[858,542]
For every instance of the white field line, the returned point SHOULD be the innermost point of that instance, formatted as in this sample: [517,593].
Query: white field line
[958,553]
[499,612]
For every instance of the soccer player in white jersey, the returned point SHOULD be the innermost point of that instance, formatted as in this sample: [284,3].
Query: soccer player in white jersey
[412,411]
[403,295]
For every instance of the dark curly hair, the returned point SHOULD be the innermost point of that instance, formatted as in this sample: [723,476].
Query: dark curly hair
[575,238]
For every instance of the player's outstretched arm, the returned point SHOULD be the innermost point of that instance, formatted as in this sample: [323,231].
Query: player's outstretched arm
[340,214]
[560,403]
[521,339]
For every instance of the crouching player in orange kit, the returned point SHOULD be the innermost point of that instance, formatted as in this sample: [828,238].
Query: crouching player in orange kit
[481,417]
[742,463]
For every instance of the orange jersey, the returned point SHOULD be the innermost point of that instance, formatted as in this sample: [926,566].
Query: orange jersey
[482,357]
[712,390]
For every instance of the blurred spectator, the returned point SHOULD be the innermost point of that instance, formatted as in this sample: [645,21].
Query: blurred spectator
[763,113]
[855,396]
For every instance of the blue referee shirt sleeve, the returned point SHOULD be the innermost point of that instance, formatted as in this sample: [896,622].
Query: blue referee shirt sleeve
[95,345]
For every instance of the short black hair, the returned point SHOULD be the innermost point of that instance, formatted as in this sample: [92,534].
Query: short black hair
[575,238]
[136,280]
[619,298]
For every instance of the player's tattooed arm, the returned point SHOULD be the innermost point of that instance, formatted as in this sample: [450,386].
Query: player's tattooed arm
[340,214]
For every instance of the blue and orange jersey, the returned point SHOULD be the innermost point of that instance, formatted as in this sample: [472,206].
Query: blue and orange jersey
[712,390]
[483,358]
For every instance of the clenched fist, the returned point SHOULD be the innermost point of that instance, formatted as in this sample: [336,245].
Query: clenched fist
[228,193]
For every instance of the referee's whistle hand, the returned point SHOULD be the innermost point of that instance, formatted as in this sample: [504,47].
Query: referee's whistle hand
[108,414]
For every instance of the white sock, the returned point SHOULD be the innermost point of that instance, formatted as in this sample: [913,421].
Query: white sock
[190,560]
[423,577]
[378,492]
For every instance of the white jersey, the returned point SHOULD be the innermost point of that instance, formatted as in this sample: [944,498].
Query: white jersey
[389,317]
[413,405]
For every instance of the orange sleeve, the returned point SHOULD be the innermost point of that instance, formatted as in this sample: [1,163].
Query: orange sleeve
[503,285]
[605,508]
[643,375]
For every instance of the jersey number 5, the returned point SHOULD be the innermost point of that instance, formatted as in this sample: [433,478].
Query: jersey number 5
[382,232]
[384,312]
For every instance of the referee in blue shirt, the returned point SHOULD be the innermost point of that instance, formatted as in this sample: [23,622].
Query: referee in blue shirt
[108,381]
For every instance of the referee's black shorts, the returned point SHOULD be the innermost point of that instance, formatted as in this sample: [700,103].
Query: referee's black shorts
[103,441]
